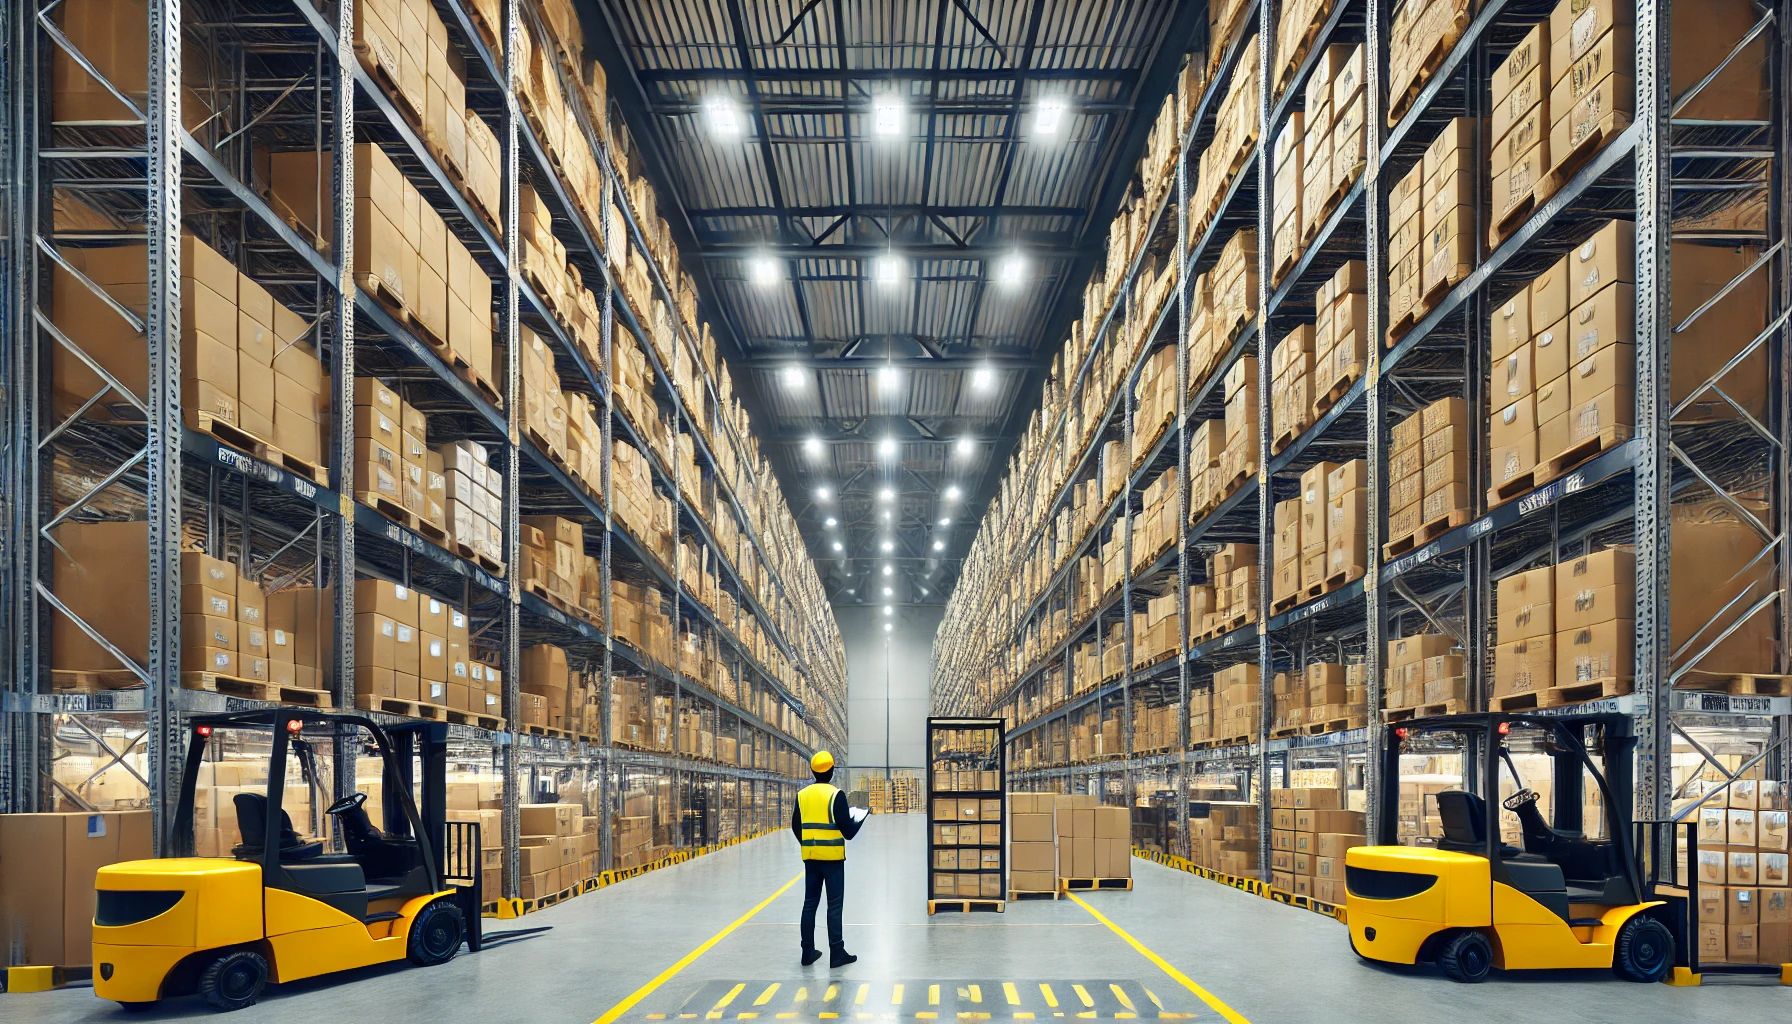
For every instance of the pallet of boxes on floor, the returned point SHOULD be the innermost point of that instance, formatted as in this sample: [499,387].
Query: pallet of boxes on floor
[1309,831]
[1066,843]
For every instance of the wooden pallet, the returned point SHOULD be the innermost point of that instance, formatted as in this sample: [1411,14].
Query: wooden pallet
[1426,533]
[1290,433]
[1580,693]
[1091,884]
[1406,322]
[382,293]
[317,474]
[256,689]
[544,730]
[1523,483]
[966,906]
[1448,707]
[65,680]
[1566,164]
[226,432]
[1016,895]
[404,517]
[1529,700]
[1281,604]
[1434,59]
[401,706]
[1286,731]
[1740,685]
[1331,725]
[1607,439]
[1344,577]
[389,85]
[477,720]
[1335,392]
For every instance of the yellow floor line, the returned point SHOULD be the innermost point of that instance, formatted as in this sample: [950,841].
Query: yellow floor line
[669,973]
[1218,1005]
[766,996]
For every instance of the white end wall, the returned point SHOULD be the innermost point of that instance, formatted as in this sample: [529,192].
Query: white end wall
[887,684]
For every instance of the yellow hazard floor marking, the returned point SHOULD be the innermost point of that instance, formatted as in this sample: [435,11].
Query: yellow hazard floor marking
[715,1012]
[745,1015]
[802,994]
[628,1003]
[896,996]
[1216,1003]
[859,1000]
[933,995]
[1013,996]
[1051,999]
[828,996]
[656,1016]
[1156,1001]
[827,1016]
[1120,994]
[766,996]
[1023,1015]
[1083,994]
[783,1016]
[926,1015]
[972,1015]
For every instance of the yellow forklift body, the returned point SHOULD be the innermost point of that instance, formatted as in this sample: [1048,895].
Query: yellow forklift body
[221,907]
[1527,936]
[309,937]
[1457,899]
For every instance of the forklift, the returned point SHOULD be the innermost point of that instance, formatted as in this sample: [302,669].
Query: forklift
[283,906]
[1571,893]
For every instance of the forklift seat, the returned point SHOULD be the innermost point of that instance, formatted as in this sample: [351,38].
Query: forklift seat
[252,823]
[1464,817]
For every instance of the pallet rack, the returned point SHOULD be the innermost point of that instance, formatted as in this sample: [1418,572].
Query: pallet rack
[293,75]
[1652,169]
[964,757]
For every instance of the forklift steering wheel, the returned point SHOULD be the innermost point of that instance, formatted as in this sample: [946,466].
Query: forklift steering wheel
[1511,803]
[346,804]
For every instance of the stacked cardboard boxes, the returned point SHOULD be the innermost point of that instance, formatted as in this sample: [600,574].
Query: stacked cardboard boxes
[1291,387]
[1336,144]
[392,460]
[1206,450]
[1287,163]
[1744,903]
[473,500]
[411,646]
[47,890]
[1296,28]
[1237,703]
[1234,572]
[1309,832]
[1346,523]
[1235,131]
[1032,843]
[1225,840]
[1243,449]
[1419,33]
[552,549]
[1233,284]
[1315,516]
[1451,194]
[1340,333]
[967,840]
[1518,163]
[1406,232]
[1419,667]
[1429,473]
[560,848]
[1093,841]
[1285,587]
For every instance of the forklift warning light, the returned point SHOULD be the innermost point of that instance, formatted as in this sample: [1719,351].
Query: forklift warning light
[294,726]
[203,730]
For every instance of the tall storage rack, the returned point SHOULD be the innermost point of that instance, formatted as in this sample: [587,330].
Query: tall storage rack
[967,770]
[1658,168]
[287,71]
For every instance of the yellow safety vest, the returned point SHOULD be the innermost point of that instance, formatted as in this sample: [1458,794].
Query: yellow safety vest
[815,813]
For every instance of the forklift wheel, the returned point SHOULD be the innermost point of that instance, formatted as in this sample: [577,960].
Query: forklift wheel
[234,980]
[1645,950]
[436,934]
[1466,956]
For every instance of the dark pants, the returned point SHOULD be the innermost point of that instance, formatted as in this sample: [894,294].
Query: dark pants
[816,873]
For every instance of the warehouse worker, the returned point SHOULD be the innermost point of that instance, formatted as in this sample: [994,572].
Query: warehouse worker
[823,822]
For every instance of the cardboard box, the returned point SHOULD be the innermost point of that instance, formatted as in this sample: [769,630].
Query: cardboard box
[47,887]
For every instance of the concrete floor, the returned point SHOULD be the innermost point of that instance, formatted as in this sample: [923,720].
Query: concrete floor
[573,963]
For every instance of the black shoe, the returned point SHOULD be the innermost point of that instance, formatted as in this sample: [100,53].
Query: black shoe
[811,956]
[841,959]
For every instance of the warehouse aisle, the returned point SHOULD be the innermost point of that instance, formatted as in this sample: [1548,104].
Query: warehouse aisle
[1266,962]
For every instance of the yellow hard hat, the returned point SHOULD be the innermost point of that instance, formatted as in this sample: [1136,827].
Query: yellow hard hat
[821,762]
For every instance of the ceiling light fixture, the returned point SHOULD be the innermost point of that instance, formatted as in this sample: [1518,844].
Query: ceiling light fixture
[723,115]
[838,546]
[795,378]
[886,494]
[983,378]
[887,546]
[887,447]
[888,591]
[832,521]
[889,610]
[952,493]
[1048,116]
[887,113]
[887,270]
[889,628]
[822,494]
[939,545]
[814,447]
[763,271]
[967,446]
[945,522]
[1011,272]
[888,570]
